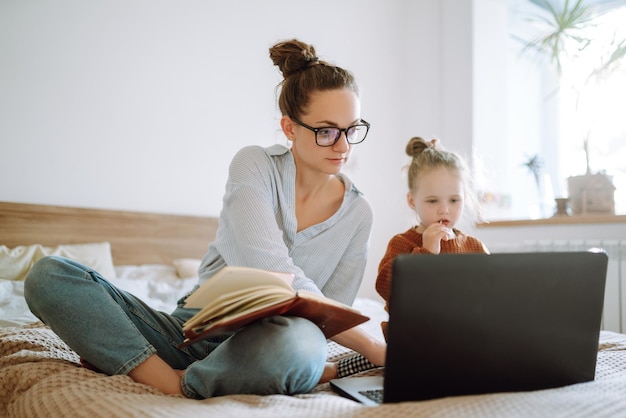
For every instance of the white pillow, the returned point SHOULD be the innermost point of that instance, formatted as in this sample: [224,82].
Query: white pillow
[186,267]
[15,263]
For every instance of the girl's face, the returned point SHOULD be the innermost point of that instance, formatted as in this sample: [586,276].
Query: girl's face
[330,108]
[438,197]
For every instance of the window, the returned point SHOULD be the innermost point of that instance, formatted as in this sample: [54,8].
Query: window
[595,110]
[551,115]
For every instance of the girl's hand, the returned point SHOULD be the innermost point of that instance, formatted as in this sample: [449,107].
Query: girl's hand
[433,235]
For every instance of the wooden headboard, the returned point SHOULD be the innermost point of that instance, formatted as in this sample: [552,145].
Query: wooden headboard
[135,237]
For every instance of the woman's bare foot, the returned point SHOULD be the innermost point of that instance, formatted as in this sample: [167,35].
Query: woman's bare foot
[157,373]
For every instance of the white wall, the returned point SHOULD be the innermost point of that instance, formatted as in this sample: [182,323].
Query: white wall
[140,104]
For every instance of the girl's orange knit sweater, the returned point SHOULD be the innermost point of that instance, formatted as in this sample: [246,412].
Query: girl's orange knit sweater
[410,242]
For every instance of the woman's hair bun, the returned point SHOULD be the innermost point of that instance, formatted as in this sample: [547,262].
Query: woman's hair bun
[293,56]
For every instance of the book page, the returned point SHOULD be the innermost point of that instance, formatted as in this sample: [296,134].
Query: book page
[237,296]
[231,279]
[330,316]
[235,320]
[238,303]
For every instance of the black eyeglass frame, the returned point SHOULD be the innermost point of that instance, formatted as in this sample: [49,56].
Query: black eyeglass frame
[344,131]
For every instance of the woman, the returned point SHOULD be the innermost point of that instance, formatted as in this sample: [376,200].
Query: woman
[284,209]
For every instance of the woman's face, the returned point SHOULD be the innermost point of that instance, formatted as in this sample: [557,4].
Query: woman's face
[331,108]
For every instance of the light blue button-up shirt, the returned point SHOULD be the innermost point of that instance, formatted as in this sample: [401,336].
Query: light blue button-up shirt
[258,228]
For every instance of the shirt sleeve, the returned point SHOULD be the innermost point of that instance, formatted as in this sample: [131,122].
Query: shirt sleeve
[249,235]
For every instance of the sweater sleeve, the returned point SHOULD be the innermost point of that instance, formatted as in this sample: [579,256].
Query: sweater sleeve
[399,244]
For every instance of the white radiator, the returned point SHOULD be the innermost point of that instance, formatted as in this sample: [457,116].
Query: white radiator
[614,314]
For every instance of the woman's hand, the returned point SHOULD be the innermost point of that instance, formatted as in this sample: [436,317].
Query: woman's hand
[362,342]
[376,353]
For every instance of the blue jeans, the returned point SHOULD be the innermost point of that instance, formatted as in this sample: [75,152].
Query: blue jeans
[115,332]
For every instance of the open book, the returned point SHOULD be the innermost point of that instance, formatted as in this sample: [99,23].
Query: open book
[236,296]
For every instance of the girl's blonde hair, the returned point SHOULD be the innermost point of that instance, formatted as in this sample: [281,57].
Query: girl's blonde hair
[426,155]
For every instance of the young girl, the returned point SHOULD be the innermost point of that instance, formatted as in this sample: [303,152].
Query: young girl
[287,209]
[439,189]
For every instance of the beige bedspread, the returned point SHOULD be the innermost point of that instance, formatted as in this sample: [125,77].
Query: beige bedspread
[41,377]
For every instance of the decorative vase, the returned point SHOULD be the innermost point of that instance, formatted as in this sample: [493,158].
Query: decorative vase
[591,193]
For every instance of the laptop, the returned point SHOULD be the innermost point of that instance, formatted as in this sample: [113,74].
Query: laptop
[464,324]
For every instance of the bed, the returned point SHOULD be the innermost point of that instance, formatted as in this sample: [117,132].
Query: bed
[154,256]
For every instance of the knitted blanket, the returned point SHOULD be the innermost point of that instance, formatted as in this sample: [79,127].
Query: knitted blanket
[41,377]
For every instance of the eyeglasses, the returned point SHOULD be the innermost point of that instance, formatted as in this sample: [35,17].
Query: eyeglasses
[329,135]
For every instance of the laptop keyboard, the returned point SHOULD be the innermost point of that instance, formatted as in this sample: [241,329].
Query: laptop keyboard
[375,395]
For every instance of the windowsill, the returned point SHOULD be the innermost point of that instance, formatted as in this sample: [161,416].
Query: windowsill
[558,220]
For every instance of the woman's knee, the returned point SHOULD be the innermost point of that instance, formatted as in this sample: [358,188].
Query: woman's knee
[303,351]
[290,332]
[307,347]
[46,279]
[303,335]
[39,274]
[276,355]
